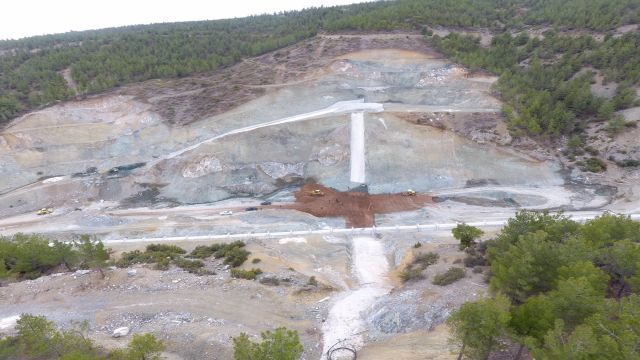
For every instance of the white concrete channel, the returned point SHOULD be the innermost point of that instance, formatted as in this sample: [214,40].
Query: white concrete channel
[357,148]
[347,231]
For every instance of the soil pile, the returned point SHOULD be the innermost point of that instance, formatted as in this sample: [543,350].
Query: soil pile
[357,207]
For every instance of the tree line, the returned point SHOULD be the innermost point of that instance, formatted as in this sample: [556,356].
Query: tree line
[31,69]
[31,256]
[542,81]
[562,290]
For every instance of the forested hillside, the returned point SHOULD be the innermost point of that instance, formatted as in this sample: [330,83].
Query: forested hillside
[541,79]
[33,70]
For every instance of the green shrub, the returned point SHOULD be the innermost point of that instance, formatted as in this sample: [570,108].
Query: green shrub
[281,344]
[163,264]
[449,277]
[192,266]
[312,281]
[173,249]
[245,274]
[477,269]
[417,245]
[202,252]
[31,256]
[256,260]
[474,260]
[594,164]
[134,257]
[628,163]
[426,259]
[236,256]
[467,235]
[233,253]
[410,274]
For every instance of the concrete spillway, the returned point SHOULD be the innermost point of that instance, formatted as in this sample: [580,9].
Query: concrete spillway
[357,148]
[345,322]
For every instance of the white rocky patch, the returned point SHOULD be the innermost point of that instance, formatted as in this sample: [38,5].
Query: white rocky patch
[206,165]
[278,170]
[9,323]
[332,155]
[295,240]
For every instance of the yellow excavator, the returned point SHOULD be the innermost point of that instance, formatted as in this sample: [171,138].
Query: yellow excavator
[410,192]
[44,211]
[316,192]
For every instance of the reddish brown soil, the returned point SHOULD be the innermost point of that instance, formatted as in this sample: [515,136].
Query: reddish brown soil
[358,208]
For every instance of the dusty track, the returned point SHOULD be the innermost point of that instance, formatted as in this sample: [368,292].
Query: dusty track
[357,208]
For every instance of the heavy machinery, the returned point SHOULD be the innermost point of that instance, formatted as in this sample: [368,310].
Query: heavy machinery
[44,211]
[410,192]
[316,192]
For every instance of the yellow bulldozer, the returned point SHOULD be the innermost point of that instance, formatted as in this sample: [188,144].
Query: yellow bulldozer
[44,211]
[316,192]
[410,192]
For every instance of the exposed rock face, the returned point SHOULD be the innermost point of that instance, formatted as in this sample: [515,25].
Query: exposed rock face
[203,166]
[332,154]
[278,170]
[251,188]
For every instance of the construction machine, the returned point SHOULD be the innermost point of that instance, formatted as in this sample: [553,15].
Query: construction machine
[44,211]
[316,192]
[410,192]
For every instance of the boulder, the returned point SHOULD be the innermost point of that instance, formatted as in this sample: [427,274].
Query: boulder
[120,332]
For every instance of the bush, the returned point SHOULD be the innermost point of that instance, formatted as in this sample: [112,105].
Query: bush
[233,253]
[236,256]
[417,245]
[163,264]
[312,281]
[628,163]
[245,274]
[173,249]
[282,344]
[478,269]
[202,252]
[426,259]
[410,274]
[474,260]
[134,257]
[449,277]
[256,260]
[192,266]
[466,234]
[594,165]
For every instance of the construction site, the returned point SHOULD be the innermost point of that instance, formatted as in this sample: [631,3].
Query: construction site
[314,146]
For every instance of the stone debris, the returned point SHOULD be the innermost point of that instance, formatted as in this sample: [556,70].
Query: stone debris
[120,332]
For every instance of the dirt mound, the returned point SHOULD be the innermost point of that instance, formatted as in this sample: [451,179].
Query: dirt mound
[357,207]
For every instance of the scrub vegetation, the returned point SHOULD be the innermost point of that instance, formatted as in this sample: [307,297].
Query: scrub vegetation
[31,256]
[39,338]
